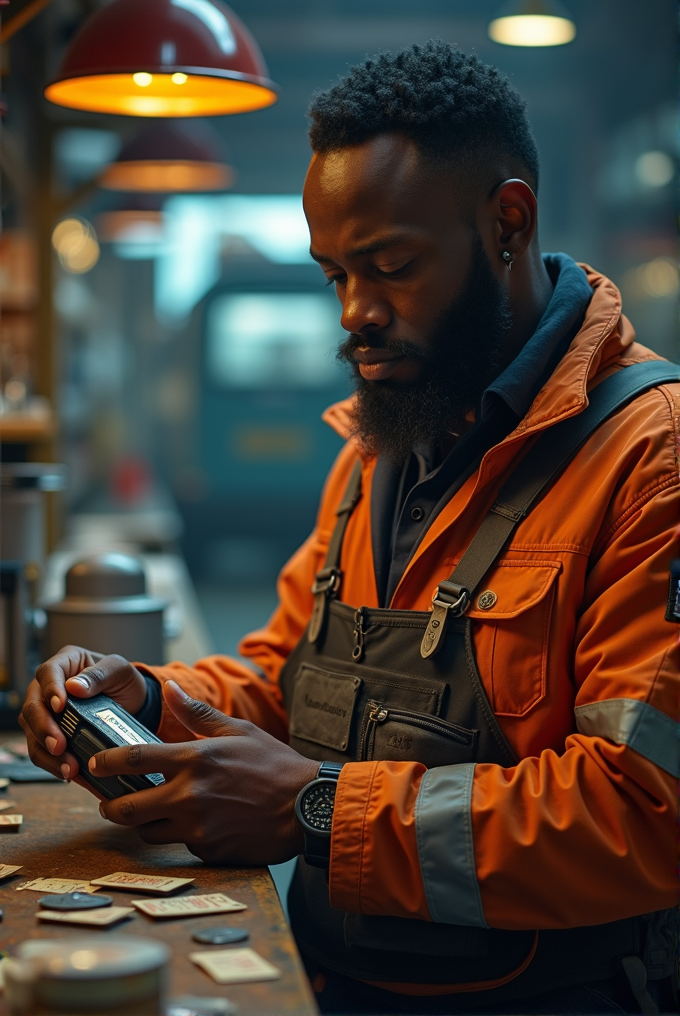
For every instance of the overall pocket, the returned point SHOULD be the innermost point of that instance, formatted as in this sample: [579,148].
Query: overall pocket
[390,734]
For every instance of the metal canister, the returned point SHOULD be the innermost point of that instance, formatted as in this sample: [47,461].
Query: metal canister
[115,977]
[106,609]
[22,509]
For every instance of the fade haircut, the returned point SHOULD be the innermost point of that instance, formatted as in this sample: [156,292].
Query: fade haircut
[451,105]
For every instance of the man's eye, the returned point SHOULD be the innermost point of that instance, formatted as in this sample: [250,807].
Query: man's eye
[393,274]
[332,279]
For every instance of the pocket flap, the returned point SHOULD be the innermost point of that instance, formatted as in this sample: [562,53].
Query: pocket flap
[513,587]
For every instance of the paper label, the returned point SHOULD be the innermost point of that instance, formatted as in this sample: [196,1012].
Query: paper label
[10,821]
[189,906]
[234,966]
[58,885]
[115,722]
[8,869]
[107,915]
[4,805]
[144,883]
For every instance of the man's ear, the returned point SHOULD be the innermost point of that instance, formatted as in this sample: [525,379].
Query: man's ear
[516,211]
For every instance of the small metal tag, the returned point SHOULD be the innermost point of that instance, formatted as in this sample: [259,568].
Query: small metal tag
[487,599]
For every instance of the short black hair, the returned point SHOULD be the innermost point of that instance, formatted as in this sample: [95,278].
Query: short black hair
[448,102]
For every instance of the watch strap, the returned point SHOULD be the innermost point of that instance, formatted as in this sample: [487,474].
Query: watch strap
[318,848]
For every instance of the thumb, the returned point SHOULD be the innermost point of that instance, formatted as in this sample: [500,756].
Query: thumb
[197,716]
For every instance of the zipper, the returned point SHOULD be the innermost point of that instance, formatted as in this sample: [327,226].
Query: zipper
[359,633]
[377,714]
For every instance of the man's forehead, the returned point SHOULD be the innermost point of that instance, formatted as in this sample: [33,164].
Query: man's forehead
[386,165]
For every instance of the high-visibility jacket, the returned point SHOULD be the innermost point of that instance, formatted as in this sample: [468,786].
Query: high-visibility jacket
[577,661]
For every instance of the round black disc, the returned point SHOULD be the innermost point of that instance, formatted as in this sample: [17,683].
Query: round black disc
[220,936]
[75,901]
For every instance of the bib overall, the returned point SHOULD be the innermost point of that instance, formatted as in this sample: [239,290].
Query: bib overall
[378,684]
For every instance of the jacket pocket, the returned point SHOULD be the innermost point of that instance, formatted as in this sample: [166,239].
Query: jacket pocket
[400,735]
[511,628]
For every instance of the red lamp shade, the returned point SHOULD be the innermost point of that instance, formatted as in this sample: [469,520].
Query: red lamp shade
[166,157]
[163,58]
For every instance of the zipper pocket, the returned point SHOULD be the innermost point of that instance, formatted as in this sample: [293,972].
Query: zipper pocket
[392,734]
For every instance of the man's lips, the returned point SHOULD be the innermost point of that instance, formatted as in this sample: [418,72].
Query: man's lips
[376,364]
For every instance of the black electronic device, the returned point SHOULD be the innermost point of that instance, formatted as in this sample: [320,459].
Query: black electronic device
[93,724]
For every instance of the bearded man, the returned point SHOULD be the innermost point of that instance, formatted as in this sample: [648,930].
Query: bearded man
[461,713]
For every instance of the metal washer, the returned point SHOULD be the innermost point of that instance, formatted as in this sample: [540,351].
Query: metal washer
[220,936]
[74,901]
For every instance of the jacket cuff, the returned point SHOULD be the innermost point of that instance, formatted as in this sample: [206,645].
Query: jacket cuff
[374,865]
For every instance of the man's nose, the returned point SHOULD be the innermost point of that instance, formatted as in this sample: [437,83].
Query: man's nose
[363,308]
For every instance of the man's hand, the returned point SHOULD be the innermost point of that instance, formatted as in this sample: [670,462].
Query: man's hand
[82,674]
[229,797]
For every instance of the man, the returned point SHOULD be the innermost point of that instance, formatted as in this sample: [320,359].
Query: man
[494,715]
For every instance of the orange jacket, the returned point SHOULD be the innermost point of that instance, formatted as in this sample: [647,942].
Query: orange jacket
[582,830]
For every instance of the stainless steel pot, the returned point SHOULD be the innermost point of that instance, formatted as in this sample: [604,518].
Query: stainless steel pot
[106,609]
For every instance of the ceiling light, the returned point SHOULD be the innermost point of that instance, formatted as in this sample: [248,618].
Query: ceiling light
[654,169]
[75,242]
[167,157]
[163,58]
[532,23]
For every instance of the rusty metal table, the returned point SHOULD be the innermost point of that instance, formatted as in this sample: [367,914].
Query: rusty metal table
[64,836]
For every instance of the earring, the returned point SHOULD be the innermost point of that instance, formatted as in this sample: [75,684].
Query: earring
[508,258]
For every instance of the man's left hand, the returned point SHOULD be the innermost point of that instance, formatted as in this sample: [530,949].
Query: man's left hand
[230,797]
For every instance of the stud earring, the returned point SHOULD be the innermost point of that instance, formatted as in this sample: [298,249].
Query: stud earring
[508,258]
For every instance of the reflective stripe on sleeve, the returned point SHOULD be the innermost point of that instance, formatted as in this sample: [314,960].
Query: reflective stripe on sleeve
[445,847]
[639,726]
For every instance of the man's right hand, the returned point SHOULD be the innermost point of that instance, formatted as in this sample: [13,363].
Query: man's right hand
[82,674]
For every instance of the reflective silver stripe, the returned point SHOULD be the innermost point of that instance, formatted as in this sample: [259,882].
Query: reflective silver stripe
[636,724]
[445,847]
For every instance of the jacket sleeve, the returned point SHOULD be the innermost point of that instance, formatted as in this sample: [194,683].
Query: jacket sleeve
[560,840]
[252,692]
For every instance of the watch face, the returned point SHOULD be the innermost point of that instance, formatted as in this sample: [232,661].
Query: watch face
[317,805]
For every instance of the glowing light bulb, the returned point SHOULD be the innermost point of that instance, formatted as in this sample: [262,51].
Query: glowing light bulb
[532,30]
[178,78]
[142,79]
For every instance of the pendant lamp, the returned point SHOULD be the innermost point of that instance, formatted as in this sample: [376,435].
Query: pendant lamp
[532,23]
[169,158]
[173,58]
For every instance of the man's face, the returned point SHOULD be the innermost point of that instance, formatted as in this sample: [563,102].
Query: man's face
[425,310]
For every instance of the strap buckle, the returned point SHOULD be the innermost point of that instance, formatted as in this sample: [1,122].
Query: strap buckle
[325,586]
[327,581]
[449,598]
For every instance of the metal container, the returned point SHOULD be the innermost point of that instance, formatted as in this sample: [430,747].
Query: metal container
[22,509]
[114,977]
[106,609]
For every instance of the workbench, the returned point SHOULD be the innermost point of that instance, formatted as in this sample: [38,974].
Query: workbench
[64,836]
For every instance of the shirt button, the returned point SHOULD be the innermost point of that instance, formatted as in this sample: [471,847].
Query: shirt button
[417,514]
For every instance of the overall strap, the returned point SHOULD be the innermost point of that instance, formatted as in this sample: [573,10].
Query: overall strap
[328,580]
[532,477]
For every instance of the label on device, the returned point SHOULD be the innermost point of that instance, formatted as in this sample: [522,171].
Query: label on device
[115,722]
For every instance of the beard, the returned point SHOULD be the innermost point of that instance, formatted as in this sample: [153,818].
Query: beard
[462,355]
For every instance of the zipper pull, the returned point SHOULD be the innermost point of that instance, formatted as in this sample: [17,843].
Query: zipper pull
[378,714]
[358,650]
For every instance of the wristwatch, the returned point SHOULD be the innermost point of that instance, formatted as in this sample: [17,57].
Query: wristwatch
[314,810]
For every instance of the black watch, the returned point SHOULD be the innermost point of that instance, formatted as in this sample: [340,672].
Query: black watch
[314,810]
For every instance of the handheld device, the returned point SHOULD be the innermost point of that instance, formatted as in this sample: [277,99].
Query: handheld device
[93,724]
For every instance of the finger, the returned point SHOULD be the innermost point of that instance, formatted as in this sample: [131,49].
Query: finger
[108,672]
[163,831]
[138,808]
[139,758]
[52,674]
[198,716]
[37,719]
[64,767]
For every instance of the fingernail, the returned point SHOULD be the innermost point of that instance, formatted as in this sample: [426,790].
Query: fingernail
[101,812]
[177,687]
[91,765]
[51,744]
[84,682]
[55,702]
[65,771]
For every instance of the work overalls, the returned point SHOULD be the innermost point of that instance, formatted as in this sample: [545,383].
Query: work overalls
[378,684]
